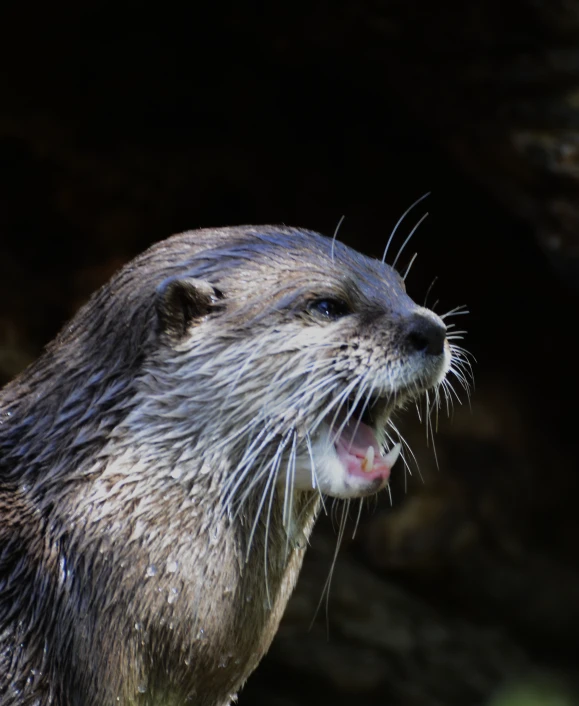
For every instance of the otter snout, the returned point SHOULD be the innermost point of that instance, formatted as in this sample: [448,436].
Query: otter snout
[426,333]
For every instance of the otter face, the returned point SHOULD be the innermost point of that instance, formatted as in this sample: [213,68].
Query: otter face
[315,345]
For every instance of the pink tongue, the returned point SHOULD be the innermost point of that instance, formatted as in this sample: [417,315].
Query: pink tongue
[352,446]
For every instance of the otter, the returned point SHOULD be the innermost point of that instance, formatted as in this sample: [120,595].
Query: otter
[162,463]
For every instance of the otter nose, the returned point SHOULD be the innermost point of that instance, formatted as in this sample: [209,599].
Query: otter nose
[426,335]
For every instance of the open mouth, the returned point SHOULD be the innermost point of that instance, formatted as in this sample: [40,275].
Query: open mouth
[357,445]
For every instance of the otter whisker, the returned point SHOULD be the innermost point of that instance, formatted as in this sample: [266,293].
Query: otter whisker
[334,512]
[460,349]
[450,387]
[360,506]
[457,371]
[326,588]
[457,357]
[305,388]
[335,236]
[447,399]
[339,400]
[405,446]
[314,474]
[429,425]
[458,362]
[329,381]
[457,311]
[428,291]
[405,275]
[359,395]
[409,236]
[328,394]
[270,474]
[289,485]
[460,353]
[418,401]
[259,473]
[399,221]
[435,407]
[228,439]
[298,370]
[238,474]
[271,482]
[255,352]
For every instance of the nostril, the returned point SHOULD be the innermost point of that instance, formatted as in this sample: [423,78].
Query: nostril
[418,340]
[425,335]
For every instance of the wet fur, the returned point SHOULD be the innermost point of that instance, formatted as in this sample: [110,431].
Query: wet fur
[147,550]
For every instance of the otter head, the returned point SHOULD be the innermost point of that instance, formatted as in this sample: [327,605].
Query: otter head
[286,354]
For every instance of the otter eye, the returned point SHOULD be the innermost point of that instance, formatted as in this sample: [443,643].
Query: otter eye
[329,308]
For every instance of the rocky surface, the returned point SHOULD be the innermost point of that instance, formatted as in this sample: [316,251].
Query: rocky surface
[120,125]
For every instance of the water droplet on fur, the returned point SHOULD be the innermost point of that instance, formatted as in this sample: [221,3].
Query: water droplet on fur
[142,688]
[151,570]
[176,473]
[63,571]
[227,589]
[173,595]
[201,634]
[172,567]
[138,626]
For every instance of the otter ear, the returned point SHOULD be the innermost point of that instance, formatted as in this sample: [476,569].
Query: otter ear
[180,302]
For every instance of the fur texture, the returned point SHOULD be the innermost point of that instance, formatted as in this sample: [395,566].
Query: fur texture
[158,462]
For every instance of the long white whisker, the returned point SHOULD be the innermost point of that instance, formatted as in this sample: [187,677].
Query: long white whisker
[360,506]
[314,474]
[428,290]
[266,538]
[399,221]
[289,492]
[269,481]
[458,311]
[326,589]
[409,266]
[408,239]
[344,424]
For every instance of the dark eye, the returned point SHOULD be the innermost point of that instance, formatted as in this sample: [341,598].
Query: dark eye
[329,308]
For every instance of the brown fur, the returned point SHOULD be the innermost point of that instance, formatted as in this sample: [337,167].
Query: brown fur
[126,574]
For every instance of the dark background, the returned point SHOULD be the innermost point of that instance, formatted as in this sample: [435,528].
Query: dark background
[121,124]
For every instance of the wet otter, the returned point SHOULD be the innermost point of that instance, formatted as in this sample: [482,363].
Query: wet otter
[162,463]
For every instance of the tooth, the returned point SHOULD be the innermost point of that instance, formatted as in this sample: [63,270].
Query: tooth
[368,461]
[392,456]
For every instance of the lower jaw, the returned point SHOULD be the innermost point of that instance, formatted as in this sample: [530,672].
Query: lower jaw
[371,487]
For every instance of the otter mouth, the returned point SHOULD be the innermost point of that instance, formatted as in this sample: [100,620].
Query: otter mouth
[357,445]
